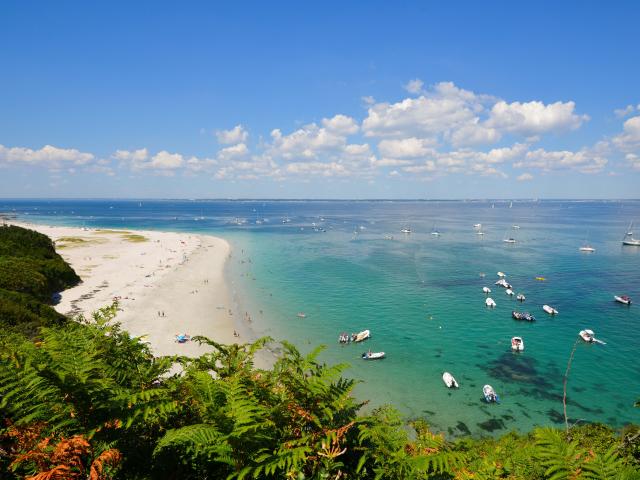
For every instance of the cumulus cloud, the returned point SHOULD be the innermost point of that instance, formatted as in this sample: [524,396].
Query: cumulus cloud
[531,118]
[48,156]
[444,108]
[525,177]
[406,147]
[585,160]
[629,139]
[341,125]
[414,86]
[229,137]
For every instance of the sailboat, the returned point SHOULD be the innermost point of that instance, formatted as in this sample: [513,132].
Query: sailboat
[434,231]
[628,237]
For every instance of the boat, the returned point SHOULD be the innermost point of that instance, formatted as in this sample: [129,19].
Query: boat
[449,381]
[509,240]
[517,344]
[486,289]
[344,337]
[587,335]
[490,394]
[361,336]
[628,237]
[501,274]
[435,231]
[623,299]
[587,249]
[526,316]
[550,310]
[406,230]
[509,292]
[541,279]
[373,355]
[520,297]
[515,227]
[477,226]
[503,283]
[489,302]
[301,315]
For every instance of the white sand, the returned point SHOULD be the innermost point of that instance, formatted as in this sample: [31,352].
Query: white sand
[178,275]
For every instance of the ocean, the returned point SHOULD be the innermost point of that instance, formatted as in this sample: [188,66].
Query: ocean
[347,267]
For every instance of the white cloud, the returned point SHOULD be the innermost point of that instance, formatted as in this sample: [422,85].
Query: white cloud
[524,177]
[414,86]
[236,135]
[623,112]
[164,160]
[341,125]
[368,100]
[233,152]
[585,160]
[535,117]
[629,139]
[474,133]
[134,156]
[634,160]
[48,156]
[445,108]
[406,147]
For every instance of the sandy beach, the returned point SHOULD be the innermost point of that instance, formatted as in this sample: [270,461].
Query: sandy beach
[166,283]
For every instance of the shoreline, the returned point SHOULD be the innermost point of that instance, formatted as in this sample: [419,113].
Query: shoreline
[167,283]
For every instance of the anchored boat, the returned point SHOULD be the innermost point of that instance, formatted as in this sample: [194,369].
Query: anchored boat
[550,310]
[449,381]
[517,344]
[526,316]
[373,355]
[489,302]
[490,394]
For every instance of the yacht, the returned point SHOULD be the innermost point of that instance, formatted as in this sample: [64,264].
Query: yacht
[406,230]
[629,239]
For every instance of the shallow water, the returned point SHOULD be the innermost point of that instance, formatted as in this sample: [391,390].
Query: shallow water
[421,296]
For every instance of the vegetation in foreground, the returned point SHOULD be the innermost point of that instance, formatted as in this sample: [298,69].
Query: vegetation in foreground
[81,399]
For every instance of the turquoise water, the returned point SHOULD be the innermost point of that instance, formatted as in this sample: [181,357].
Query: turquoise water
[421,296]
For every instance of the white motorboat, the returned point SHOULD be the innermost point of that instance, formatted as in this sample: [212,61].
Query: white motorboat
[509,240]
[361,336]
[490,394]
[515,227]
[550,310]
[587,249]
[490,303]
[449,381]
[624,299]
[587,335]
[406,230]
[301,315]
[503,283]
[517,344]
[373,355]
[477,226]
[520,297]
[629,239]
[501,274]
[486,289]
[509,292]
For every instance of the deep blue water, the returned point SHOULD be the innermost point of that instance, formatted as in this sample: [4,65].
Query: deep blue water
[421,295]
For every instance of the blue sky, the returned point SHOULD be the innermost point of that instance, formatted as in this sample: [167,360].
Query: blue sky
[322,100]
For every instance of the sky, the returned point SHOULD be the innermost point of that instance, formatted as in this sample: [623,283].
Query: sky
[320,99]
